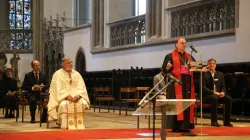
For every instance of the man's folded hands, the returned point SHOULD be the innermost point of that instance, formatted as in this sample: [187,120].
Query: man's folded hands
[73,99]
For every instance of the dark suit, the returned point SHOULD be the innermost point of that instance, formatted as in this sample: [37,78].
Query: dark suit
[208,94]
[33,96]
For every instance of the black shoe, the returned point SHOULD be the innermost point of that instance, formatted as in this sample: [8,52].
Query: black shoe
[181,130]
[174,130]
[6,116]
[184,130]
[11,116]
[215,124]
[228,124]
[44,120]
[32,121]
[188,134]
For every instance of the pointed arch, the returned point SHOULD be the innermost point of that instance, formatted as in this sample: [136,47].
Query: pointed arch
[80,62]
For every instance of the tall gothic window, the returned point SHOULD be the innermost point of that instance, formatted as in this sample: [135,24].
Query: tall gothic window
[20,21]
[139,7]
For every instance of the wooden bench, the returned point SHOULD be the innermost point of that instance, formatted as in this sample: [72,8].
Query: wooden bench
[204,105]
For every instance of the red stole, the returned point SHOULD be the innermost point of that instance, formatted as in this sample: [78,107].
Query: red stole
[178,88]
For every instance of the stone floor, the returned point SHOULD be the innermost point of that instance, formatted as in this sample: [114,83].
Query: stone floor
[96,120]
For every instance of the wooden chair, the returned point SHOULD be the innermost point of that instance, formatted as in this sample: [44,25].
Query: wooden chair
[204,105]
[17,109]
[44,99]
[134,98]
[103,94]
[22,101]
[141,91]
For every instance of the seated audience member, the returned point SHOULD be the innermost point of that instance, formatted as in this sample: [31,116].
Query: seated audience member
[9,87]
[68,97]
[214,92]
[34,83]
[157,79]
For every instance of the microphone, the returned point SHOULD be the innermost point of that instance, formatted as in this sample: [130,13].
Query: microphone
[174,78]
[193,49]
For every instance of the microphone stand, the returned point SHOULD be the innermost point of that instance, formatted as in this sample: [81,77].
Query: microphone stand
[153,100]
[201,134]
[144,98]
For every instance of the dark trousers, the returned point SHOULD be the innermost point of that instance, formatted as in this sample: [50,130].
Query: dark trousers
[214,101]
[33,104]
[10,103]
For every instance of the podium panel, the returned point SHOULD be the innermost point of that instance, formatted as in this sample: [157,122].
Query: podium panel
[170,106]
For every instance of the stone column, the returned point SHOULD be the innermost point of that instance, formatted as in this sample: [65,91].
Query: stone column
[4,24]
[153,18]
[4,14]
[95,23]
[37,20]
[158,18]
[101,23]
[97,27]
[148,19]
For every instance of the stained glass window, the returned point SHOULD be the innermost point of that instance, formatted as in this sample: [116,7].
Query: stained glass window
[20,19]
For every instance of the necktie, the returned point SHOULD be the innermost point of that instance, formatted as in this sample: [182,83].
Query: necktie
[214,81]
[36,76]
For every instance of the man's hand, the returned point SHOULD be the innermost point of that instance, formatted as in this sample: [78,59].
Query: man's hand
[37,88]
[69,98]
[217,94]
[76,98]
[205,69]
[169,65]
[222,94]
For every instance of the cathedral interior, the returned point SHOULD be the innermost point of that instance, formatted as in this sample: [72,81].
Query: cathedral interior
[116,44]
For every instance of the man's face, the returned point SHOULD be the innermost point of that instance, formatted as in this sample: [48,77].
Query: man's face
[181,45]
[36,66]
[68,65]
[9,73]
[211,65]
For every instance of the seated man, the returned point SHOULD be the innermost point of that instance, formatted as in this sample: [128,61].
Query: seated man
[34,83]
[157,79]
[68,97]
[214,92]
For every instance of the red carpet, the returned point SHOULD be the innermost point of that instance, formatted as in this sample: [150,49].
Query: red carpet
[114,133]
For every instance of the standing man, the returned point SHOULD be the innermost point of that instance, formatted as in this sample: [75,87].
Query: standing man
[68,97]
[178,64]
[214,92]
[34,82]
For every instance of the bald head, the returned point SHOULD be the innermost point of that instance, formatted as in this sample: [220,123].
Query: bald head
[181,44]
[35,64]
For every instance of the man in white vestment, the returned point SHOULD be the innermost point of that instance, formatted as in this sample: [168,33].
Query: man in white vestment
[68,97]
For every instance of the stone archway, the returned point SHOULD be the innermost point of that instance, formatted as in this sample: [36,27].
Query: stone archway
[80,62]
